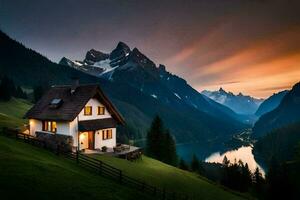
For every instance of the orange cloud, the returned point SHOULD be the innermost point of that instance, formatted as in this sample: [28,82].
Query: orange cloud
[272,62]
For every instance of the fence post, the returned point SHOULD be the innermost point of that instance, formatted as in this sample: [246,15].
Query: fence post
[57,150]
[154,191]
[77,157]
[174,195]
[164,193]
[120,176]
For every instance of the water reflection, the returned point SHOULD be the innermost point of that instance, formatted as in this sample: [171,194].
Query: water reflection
[243,153]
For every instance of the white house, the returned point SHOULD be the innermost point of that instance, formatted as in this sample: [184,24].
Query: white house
[80,111]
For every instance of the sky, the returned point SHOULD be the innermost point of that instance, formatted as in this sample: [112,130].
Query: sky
[248,46]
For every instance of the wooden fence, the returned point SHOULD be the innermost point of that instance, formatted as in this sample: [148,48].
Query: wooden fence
[101,168]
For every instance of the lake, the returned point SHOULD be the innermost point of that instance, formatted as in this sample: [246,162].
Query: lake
[211,153]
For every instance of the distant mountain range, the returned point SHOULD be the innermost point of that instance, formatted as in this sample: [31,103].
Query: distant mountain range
[241,104]
[138,87]
[270,103]
[286,113]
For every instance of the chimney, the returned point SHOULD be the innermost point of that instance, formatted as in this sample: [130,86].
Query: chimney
[75,84]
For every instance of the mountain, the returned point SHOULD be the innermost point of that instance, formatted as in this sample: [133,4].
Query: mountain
[135,79]
[287,112]
[28,68]
[270,103]
[241,104]
[124,66]
[136,86]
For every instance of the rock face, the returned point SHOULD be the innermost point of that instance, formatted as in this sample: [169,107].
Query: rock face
[287,112]
[241,104]
[93,56]
[120,51]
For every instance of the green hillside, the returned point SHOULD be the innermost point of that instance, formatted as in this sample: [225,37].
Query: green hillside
[29,172]
[11,113]
[162,175]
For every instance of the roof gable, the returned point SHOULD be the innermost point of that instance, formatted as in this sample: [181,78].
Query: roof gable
[72,104]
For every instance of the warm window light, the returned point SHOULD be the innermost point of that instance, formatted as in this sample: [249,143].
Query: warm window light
[88,110]
[81,136]
[31,122]
[101,110]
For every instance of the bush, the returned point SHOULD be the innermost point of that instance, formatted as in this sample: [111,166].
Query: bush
[104,148]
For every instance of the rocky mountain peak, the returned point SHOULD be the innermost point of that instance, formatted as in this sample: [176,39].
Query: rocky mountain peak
[121,50]
[65,61]
[93,56]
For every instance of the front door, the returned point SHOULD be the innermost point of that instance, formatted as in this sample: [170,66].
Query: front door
[91,139]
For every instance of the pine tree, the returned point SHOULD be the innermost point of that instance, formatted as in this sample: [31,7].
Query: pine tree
[20,93]
[169,149]
[182,165]
[7,89]
[225,161]
[155,137]
[246,179]
[258,182]
[38,92]
[195,165]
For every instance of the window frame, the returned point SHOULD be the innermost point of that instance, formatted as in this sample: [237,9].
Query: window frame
[107,134]
[85,111]
[49,126]
[99,109]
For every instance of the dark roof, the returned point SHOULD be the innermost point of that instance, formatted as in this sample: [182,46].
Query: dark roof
[72,103]
[96,124]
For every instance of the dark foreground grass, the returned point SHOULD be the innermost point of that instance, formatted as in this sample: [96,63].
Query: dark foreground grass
[28,172]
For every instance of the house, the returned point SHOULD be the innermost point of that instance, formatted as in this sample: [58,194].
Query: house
[80,112]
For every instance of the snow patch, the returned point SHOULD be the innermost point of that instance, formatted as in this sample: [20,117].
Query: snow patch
[154,96]
[177,95]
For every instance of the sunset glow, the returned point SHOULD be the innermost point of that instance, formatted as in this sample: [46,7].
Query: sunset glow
[246,46]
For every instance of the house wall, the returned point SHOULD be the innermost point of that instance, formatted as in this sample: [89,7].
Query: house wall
[74,131]
[99,142]
[63,128]
[34,125]
[94,103]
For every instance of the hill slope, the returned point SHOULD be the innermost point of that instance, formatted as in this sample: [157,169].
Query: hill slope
[11,113]
[270,103]
[29,172]
[287,112]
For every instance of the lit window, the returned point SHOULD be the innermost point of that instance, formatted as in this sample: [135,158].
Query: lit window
[101,110]
[88,110]
[107,134]
[49,126]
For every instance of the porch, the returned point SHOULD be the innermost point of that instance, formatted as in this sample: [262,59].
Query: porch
[121,151]
[97,134]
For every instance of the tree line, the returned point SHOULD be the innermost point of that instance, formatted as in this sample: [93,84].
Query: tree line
[9,89]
